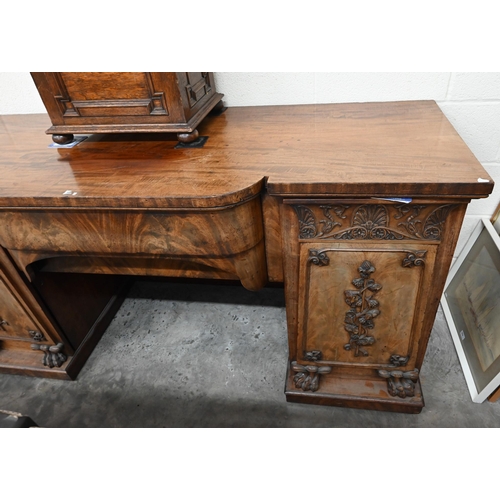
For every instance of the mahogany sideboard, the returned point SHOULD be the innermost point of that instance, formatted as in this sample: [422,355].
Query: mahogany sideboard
[356,208]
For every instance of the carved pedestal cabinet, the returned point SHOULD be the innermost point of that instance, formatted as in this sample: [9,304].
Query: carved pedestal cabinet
[356,208]
[367,272]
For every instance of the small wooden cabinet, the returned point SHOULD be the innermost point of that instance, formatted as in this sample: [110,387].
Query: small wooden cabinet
[87,103]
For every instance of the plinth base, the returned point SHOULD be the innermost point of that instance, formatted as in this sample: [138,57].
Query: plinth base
[354,393]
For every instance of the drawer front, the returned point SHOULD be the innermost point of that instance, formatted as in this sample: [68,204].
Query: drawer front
[14,320]
[216,233]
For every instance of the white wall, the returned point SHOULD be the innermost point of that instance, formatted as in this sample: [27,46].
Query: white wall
[471,101]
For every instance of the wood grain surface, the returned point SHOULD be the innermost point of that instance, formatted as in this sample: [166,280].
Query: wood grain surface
[403,148]
[271,185]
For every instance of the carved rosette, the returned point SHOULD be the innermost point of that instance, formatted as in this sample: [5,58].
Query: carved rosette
[52,354]
[372,222]
[307,222]
[399,383]
[307,377]
[363,309]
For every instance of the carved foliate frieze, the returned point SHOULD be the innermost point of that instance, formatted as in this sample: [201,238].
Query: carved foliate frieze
[372,221]
[363,309]
[307,376]
[399,383]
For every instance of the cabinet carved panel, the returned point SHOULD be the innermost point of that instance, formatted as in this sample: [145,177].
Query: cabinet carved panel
[360,301]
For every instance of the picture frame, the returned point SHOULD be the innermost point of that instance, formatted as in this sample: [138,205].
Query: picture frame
[471,306]
[495,220]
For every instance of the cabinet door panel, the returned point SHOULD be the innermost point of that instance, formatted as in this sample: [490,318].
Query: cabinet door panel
[360,302]
[101,95]
[14,321]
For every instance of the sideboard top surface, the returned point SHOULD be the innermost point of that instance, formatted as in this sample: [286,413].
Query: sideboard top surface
[361,149]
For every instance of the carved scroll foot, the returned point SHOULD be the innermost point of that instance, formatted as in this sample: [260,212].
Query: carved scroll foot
[63,138]
[399,383]
[307,377]
[53,355]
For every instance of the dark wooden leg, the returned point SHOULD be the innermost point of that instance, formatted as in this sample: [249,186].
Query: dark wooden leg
[188,136]
[63,138]
[218,109]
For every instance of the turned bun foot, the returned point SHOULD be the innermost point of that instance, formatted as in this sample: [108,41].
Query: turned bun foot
[188,137]
[63,138]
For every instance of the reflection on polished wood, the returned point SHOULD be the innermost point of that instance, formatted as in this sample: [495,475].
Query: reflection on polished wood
[270,186]
[342,150]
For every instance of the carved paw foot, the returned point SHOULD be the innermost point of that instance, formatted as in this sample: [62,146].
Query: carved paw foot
[307,377]
[400,384]
[53,355]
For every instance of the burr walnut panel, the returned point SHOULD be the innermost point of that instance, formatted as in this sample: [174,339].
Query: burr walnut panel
[107,102]
[109,94]
[361,301]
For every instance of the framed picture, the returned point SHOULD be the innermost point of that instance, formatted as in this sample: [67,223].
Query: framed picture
[471,305]
[495,220]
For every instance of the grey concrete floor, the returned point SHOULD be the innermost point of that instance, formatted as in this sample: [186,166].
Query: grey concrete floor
[197,355]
